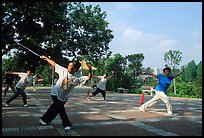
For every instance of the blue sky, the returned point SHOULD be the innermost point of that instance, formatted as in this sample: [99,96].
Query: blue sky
[153,28]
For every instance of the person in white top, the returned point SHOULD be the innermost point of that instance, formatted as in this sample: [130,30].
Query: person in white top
[101,86]
[66,81]
[20,87]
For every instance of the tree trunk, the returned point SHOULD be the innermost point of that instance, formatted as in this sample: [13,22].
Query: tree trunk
[174,86]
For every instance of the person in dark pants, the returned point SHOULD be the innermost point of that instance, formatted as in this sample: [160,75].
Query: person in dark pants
[9,82]
[66,81]
[101,86]
[25,78]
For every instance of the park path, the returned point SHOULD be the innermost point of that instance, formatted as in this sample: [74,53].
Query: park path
[118,116]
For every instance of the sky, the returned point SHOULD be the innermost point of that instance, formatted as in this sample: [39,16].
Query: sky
[154,28]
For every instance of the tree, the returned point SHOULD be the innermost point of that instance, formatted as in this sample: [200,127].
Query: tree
[56,29]
[199,71]
[135,64]
[190,71]
[173,59]
[198,81]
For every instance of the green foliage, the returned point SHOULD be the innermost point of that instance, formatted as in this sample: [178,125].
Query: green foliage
[190,71]
[173,58]
[56,29]
[184,90]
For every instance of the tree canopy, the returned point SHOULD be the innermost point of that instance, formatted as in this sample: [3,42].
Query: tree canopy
[56,29]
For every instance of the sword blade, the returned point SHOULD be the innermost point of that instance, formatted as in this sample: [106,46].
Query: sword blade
[29,50]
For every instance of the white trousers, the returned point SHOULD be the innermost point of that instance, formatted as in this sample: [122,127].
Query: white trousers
[158,96]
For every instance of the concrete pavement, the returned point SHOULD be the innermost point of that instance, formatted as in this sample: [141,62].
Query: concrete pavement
[118,116]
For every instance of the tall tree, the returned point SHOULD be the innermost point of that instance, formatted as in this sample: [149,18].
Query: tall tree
[173,59]
[199,71]
[135,64]
[199,79]
[57,29]
[191,72]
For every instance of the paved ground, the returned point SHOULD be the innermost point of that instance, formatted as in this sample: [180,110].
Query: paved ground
[118,116]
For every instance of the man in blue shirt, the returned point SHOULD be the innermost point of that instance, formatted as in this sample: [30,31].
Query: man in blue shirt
[160,90]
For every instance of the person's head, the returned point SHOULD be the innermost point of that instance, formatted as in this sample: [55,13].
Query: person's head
[167,71]
[28,71]
[73,66]
[104,75]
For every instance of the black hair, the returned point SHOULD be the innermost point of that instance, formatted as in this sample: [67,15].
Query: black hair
[166,68]
[76,64]
[27,69]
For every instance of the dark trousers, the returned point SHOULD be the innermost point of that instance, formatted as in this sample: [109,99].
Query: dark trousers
[7,88]
[99,91]
[57,107]
[16,94]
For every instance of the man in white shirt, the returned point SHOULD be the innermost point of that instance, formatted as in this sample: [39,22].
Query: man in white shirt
[66,81]
[101,86]
[20,87]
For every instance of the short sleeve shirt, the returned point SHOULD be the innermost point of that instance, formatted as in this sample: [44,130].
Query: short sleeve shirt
[102,83]
[74,80]
[24,80]
[164,82]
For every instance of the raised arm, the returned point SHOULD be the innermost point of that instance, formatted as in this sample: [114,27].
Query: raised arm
[176,75]
[90,72]
[51,62]
[146,73]
[112,74]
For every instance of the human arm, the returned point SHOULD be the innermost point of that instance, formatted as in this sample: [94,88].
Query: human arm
[176,75]
[112,74]
[15,73]
[94,76]
[51,62]
[90,72]
[146,73]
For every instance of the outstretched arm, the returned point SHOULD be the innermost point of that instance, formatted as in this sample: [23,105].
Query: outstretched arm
[51,62]
[146,73]
[176,75]
[15,73]
[94,76]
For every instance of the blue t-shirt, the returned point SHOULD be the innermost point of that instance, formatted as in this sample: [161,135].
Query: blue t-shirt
[164,82]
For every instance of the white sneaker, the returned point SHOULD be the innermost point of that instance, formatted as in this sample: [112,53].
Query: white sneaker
[67,128]
[25,105]
[5,104]
[170,112]
[141,109]
[42,122]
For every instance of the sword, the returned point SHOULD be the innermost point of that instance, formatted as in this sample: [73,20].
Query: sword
[29,49]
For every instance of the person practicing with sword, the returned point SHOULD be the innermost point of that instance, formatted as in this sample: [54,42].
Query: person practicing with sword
[101,86]
[25,78]
[66,81]
[161,89]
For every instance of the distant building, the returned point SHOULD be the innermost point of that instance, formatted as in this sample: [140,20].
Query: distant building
[156,70]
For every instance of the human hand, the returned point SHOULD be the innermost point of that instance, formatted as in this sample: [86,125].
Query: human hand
[43,57]
[89,66]
[144,73]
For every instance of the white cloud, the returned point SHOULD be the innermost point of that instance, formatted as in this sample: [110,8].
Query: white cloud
[153,46]
[167,44]
[148,35]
